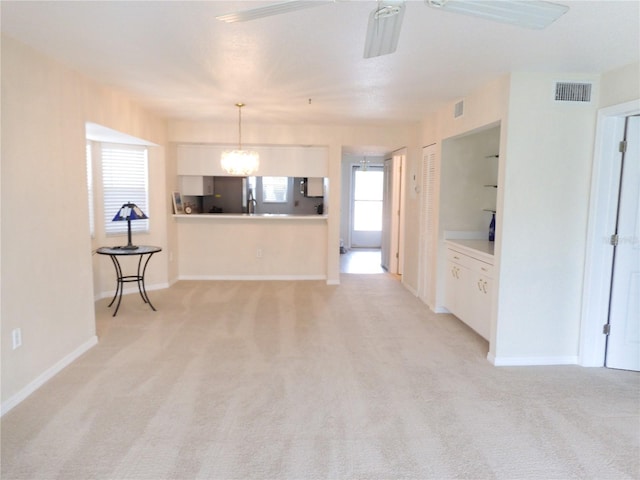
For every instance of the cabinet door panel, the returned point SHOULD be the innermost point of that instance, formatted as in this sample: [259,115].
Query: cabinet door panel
[480,299]
[464,306]
[451,287]
[457,288]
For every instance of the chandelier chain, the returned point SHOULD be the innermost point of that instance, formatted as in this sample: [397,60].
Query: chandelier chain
[239,105]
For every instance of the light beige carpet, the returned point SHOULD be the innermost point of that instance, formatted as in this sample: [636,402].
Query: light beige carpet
[300,380]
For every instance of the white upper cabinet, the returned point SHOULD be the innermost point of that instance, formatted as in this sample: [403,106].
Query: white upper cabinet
[198,185]
[282,161]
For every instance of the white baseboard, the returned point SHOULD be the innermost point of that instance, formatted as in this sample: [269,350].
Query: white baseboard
[531,361]
[47,375]
[252,277]
[411,289]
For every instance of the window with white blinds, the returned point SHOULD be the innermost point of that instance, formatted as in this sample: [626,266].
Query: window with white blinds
[275,189]
[89,160]
[124,179]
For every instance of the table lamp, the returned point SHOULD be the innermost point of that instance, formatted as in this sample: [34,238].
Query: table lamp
[129,211]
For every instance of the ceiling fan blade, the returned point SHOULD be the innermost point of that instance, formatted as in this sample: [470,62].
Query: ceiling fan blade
[384,27]
[269,10]
[523,13]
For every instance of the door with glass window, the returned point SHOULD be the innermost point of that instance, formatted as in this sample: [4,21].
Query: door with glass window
[366,217]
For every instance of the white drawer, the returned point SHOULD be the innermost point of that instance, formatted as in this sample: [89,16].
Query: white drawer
[482,268]
[473,264]
[459,258]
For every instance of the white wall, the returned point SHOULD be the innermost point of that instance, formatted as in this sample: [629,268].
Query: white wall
[46,250]
[544,219]
[620,85]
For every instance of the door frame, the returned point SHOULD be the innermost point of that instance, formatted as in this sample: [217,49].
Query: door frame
[394,212]
[388,249]
[602,216]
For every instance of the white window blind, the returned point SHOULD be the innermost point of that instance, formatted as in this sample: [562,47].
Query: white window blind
[275,189]
[89,161]
[124,179]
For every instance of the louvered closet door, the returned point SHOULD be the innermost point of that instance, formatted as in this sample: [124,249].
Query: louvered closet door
[428,234]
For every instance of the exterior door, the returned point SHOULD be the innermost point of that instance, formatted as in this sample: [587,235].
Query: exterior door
[366,220]
[623,341]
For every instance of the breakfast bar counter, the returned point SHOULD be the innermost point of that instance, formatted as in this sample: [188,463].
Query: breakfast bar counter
[223,246]
[249,216]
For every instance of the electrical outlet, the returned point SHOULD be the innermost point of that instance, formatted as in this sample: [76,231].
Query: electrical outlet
[16,337]
[258,253]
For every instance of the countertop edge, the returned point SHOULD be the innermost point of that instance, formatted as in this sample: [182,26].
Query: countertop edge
[252,217]
[481,249]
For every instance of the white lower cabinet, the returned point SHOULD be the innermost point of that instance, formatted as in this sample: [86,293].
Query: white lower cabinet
[468,288]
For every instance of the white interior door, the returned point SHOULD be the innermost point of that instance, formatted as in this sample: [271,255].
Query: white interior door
[400,186]
[428,239]
[623,341]
[386,217]
[391,215]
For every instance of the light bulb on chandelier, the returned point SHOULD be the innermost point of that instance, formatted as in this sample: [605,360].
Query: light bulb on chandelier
[240,162]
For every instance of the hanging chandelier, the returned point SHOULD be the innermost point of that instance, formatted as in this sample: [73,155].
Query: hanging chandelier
[240,162]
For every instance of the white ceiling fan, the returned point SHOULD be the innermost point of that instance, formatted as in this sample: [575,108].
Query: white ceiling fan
[385,21]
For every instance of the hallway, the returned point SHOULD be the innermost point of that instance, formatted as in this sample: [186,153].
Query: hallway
[362,261]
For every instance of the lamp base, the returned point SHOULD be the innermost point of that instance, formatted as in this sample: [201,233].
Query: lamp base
[129,247]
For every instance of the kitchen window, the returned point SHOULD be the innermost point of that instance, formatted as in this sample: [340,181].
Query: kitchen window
[275,189]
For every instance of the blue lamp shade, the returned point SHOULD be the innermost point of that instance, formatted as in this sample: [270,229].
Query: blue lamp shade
[129,211]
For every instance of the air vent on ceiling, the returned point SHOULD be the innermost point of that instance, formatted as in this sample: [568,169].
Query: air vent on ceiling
[458,109]
[573,92]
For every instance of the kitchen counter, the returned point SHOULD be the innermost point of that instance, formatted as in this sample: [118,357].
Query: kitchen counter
[227,246]
[250,216]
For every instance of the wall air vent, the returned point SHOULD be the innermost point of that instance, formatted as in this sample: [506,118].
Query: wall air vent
[458,109]
[573,92]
